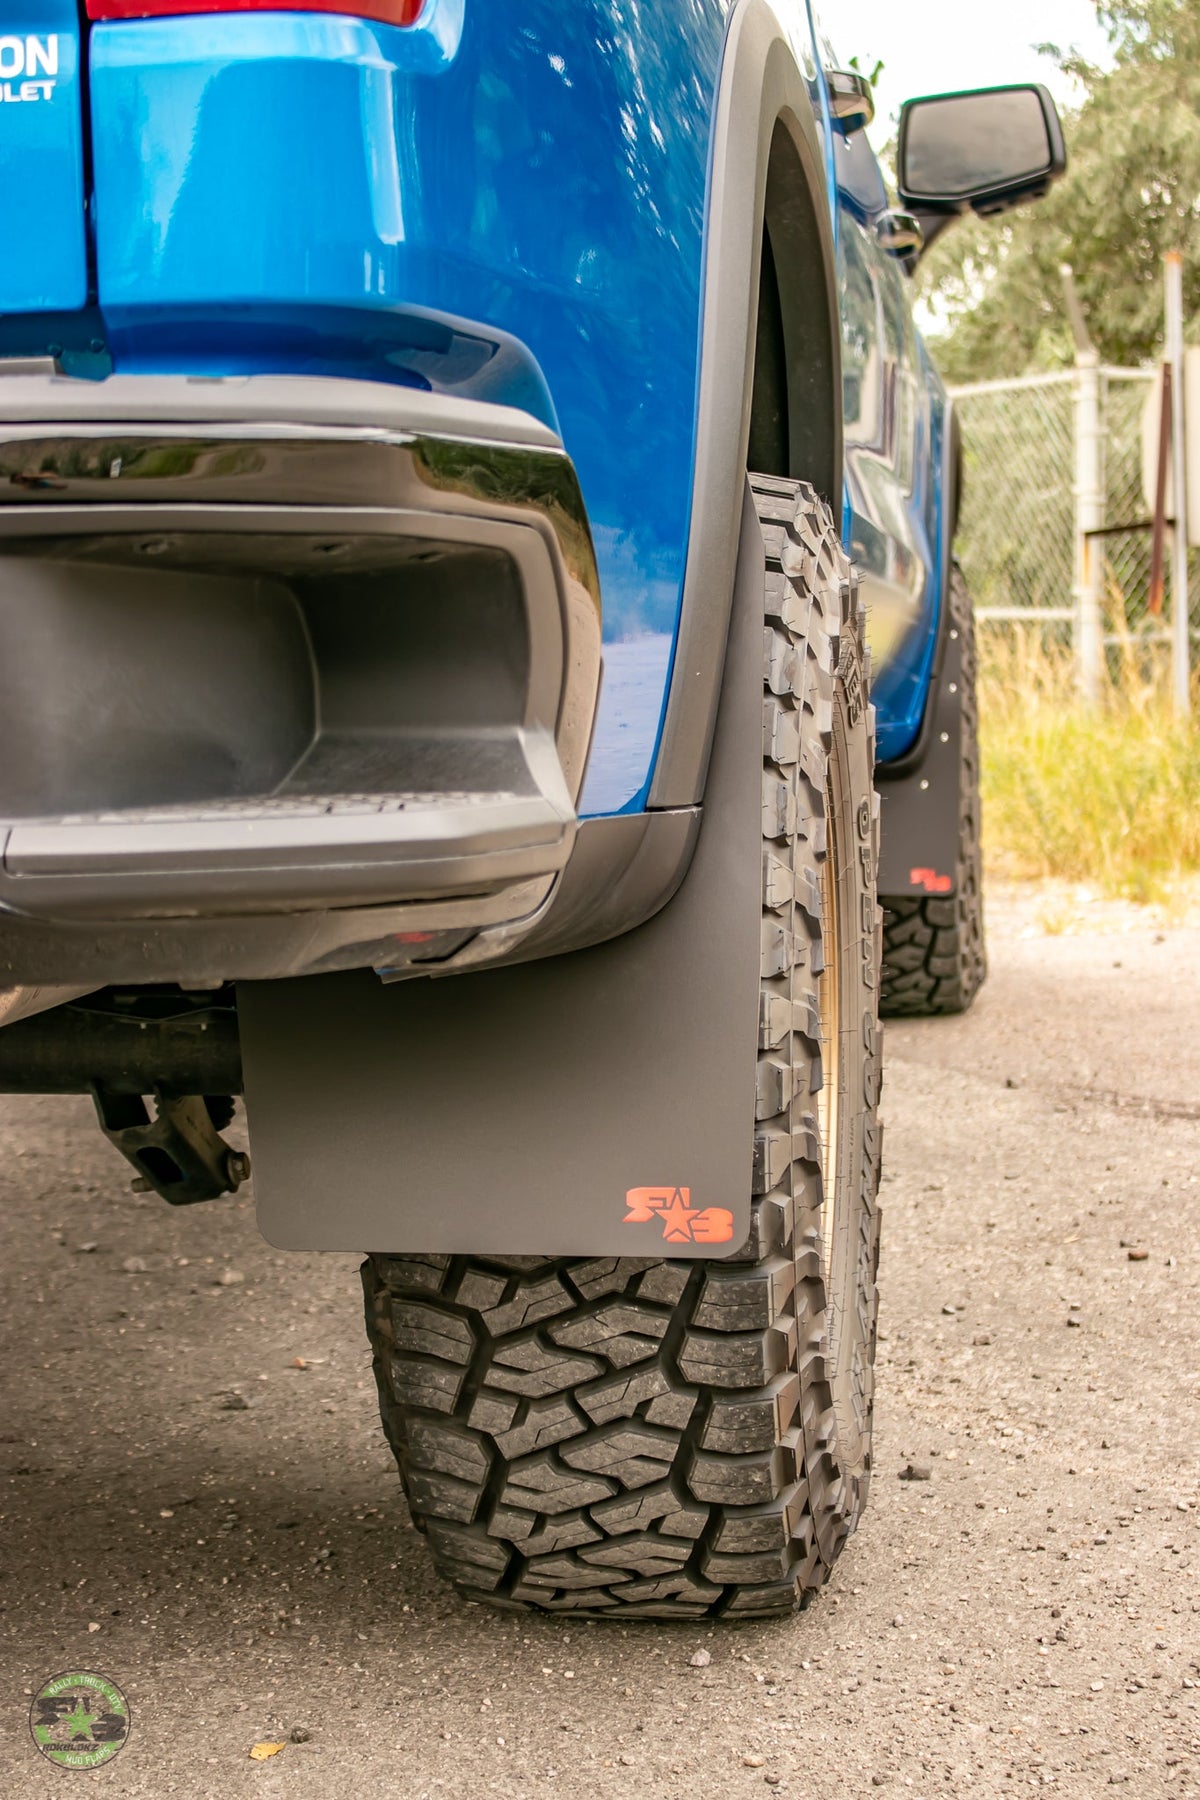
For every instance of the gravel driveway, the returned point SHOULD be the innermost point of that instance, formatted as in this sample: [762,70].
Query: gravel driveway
[197,1501]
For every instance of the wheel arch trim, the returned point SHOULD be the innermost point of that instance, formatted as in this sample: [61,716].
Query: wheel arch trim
[761,89]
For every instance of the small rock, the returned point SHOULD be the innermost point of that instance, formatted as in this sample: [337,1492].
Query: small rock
[235,1402]
[701,1659]
[898,1621]
[879,1781]
[134,1265]
[771,1779]
[916,1472]
[300,1734]
[1097,1687]
[981,1339]
[950,1311]
[753,1762]
[1139,1256]
[229,1278]
[1076,1322]
[93,1626]
[84,1249]
[1009,1082]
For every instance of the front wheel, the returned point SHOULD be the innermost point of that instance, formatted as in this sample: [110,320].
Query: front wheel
[670,1439]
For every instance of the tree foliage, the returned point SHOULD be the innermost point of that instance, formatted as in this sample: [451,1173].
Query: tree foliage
[1131,192]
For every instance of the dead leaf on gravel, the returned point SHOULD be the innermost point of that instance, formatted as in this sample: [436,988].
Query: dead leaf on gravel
[260,1752]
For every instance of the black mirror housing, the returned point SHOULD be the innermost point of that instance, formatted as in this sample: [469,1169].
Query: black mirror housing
[984,150]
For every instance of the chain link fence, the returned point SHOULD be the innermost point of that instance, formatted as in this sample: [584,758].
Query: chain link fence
[1018,534]
[1126,554]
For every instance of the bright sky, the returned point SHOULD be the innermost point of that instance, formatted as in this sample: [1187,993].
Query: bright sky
[935,46]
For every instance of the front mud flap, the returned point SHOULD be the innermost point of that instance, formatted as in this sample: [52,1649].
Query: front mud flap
[919,795]
[600,1103]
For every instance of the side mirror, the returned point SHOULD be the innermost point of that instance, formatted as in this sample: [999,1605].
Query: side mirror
[983,151]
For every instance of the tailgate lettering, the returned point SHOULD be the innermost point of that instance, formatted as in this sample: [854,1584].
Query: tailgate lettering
[30,56]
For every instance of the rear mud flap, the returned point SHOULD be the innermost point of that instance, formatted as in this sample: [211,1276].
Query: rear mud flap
[600,1103]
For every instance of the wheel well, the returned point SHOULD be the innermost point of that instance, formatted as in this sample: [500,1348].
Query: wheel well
[796,408]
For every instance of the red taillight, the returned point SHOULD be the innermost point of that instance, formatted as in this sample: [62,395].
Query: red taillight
[387,12]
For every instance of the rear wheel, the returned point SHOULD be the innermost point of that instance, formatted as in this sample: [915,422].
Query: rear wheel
[934,959]
[630,1438]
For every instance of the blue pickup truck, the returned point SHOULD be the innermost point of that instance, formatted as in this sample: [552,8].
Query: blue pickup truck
[486,683]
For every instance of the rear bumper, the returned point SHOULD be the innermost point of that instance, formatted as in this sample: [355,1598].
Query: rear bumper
[280,659]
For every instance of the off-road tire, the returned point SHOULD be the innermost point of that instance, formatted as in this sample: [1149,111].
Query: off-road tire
[934,955]
[672,1439]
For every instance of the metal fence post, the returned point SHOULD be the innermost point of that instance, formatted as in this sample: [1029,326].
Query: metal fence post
[1089,518]
[1180,618]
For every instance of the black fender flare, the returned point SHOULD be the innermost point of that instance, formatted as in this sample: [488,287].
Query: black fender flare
[762,88]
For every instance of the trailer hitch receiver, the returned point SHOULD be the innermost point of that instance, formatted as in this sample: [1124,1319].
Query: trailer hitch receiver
[179,1153]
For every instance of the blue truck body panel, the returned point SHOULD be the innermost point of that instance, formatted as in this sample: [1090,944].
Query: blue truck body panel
[543,174]
[508,206]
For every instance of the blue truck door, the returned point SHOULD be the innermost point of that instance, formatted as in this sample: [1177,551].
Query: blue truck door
[42,227]
[888,445]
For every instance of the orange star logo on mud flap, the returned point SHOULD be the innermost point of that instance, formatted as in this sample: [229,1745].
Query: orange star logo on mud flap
[682,1222]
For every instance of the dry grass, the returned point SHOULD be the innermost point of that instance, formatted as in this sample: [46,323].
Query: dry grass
[1108,795]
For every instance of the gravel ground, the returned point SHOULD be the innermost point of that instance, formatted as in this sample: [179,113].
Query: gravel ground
[188,1510]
